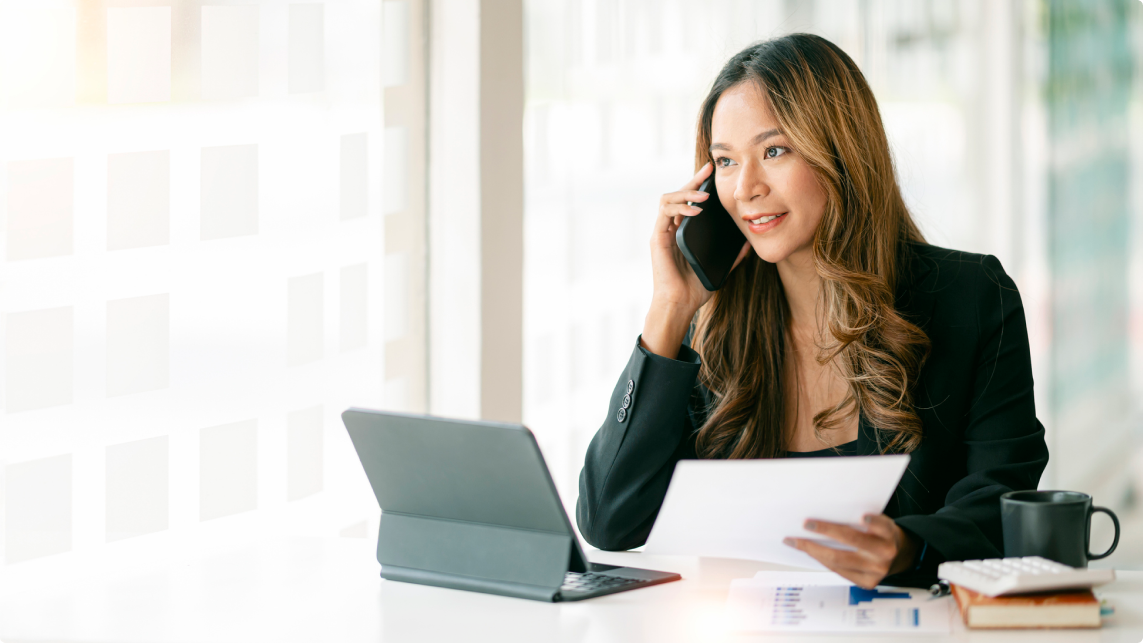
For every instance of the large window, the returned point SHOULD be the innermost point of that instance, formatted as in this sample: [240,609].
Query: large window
[191,265]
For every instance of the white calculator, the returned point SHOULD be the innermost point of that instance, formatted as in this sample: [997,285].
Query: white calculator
[999,576]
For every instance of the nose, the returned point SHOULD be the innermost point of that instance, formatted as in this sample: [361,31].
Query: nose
[751,182]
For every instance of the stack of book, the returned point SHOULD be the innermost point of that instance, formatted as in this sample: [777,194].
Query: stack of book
[1027,592]
[1064,609]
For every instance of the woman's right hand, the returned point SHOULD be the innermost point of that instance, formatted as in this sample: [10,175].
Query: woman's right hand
[675,282]
[678,292]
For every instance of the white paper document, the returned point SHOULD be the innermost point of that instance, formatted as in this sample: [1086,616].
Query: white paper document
[744,508]
[825,602]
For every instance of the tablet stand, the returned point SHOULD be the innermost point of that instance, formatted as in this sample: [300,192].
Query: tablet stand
[474,556]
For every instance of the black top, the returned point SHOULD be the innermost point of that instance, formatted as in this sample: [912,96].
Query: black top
[849,448]
[980,436]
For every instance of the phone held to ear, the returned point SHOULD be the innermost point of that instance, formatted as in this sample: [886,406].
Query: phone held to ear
[710,240]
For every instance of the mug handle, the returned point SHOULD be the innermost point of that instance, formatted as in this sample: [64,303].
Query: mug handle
[1114,542]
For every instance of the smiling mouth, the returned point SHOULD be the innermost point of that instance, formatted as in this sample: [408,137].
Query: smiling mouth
[765,219]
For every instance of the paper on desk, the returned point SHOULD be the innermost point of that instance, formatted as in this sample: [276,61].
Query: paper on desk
[744,508]
[771,602]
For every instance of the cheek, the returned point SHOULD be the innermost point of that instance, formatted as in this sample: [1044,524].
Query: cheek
[725,196]
[725,188]
[808,197]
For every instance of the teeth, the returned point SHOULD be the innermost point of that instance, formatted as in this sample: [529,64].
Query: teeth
[765,219]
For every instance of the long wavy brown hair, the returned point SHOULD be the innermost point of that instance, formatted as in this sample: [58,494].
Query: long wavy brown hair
[824,106]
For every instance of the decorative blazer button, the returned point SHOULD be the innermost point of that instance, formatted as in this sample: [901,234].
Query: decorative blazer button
[630,386]
[621,415]
[626,401]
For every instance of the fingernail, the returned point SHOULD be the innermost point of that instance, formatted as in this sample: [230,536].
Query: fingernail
[868,519]
[695,210]
[702,195]
[811,525]
[789,542]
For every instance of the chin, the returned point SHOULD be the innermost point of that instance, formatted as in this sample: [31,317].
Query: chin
[772,252]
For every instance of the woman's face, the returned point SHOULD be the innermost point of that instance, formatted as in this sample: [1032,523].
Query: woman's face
[763,183]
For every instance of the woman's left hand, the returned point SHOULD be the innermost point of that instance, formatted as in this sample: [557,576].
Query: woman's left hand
[883,548]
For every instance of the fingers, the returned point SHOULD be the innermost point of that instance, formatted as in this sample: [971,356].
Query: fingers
[682,196]
[876,547]
[828,556]
[670,216]
[680,209]
[673,208]
[847,535]
[853,565]
[675,205]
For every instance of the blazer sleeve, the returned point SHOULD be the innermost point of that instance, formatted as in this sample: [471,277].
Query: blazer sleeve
[1003,441]
[630,460]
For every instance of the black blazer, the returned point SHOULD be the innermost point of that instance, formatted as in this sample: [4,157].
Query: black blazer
[980,435]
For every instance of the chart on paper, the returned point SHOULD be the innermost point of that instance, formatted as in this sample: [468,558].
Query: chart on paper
[761,607]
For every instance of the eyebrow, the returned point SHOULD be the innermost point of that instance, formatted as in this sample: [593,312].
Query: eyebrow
[755,141]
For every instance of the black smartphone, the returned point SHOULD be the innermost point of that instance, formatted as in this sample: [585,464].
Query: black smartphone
[710,240]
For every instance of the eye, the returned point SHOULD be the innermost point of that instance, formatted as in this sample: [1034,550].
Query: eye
[775,152]
[718,162]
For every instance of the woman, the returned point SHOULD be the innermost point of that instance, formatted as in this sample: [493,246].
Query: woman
[839,332]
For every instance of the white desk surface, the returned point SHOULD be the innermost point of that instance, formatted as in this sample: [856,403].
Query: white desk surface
[328,589]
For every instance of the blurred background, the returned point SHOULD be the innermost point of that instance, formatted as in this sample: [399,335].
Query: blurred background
[222,223]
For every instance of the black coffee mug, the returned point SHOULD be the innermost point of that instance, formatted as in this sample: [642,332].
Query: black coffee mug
[1053,524]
